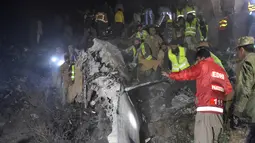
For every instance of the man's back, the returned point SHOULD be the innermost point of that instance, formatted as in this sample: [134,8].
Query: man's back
[208,75]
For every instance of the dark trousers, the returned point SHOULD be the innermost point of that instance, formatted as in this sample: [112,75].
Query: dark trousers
[101,28]
[118,28]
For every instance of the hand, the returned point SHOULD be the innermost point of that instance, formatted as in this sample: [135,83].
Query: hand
[164,74]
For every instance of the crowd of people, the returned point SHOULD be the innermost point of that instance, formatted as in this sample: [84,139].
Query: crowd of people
[183,53]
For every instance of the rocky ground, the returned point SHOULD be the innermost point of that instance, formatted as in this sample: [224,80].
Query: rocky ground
[30,112]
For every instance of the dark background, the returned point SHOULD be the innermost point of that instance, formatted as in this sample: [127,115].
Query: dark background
[17,15]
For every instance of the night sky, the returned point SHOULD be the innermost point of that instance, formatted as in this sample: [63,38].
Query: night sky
[16,15]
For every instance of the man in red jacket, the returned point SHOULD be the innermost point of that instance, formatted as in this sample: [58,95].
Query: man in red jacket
[213,86]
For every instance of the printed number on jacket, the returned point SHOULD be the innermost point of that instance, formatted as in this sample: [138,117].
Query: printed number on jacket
[216,102]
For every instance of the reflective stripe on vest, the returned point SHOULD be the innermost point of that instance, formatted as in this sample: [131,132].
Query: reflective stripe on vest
[190,10]
[144,52]
[142,35]
[73,74]
[182,63]
[209,108]
[223,23]
[191,28]
[180,14]
[134,51]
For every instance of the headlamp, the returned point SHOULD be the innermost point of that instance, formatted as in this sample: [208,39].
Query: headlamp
[54,59]
[57,61]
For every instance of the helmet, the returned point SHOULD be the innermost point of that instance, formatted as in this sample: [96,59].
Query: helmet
[246,40]
[174,42]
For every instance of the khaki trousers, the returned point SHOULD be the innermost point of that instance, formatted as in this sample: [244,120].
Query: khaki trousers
[208,127]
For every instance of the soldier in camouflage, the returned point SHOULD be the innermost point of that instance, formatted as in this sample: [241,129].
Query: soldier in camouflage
[244,99]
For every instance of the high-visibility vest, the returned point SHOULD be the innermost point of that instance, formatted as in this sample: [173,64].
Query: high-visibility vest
[191,28]
[223,24]
[73,72]
[180,14]
[143,52]
[190,10]
[119,17]
[142,35]
[101,17]
[179,63]
[251,7]
[216,60]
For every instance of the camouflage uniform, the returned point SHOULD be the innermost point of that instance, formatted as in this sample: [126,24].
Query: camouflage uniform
[154,41]
[244,103]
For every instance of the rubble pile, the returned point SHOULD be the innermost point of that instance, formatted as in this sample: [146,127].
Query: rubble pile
[104,69]
[168,111]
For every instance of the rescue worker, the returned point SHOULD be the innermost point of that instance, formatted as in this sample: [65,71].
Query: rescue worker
[244,99]
[180,13]
[119,22]
[169,31]
[177,57]
[191,29]
[165,15]
[190,9]
[205,45]
[180,22]
[101,23]
[154,40]
[72,58]
[65,78]
[141,34]
[147,63]
[212,87]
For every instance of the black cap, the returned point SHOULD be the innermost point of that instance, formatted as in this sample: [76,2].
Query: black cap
[174,42]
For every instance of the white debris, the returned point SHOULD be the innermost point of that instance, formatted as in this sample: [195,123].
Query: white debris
[181,100]
[34,116]
[105,60]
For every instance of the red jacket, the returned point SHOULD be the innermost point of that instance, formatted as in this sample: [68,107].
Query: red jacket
[212,84]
